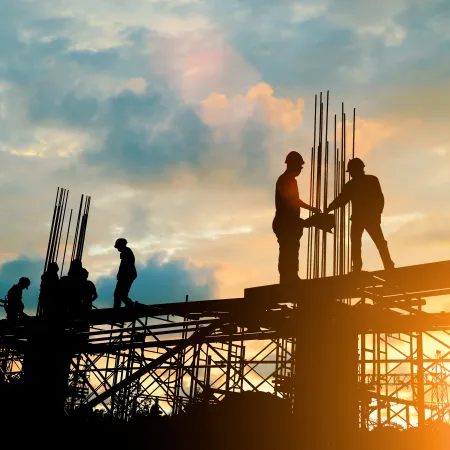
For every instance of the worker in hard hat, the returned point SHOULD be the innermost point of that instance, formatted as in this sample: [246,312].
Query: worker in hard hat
[70,290]
[89,291]
[14,305]
[49,289]
[126,275]
[287,225]
[364,191]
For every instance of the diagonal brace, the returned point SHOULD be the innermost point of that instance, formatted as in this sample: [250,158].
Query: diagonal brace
[195,338]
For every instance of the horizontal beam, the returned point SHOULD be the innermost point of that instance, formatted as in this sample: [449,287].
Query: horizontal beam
[409,279]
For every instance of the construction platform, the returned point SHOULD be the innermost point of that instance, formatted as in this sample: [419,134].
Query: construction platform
[117,358]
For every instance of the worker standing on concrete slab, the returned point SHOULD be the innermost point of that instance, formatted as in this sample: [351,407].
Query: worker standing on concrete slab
[126,275]
[364,191]
[70,289]
[48,295]
[89,292]
[287,225]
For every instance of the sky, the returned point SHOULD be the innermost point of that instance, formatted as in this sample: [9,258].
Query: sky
[175,116]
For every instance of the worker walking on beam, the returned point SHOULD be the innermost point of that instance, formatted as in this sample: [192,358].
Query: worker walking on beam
[126,275]
[287,225]
[364,191]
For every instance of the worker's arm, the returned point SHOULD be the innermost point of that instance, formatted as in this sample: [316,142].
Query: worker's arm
[304,205]
[379,204]
[94,292]
[289,190]
[341,200]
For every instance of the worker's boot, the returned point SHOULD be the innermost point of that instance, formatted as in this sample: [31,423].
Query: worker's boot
[128,303]
[386,257]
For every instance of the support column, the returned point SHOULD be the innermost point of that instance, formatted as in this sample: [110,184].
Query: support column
[326,409]
[46,369]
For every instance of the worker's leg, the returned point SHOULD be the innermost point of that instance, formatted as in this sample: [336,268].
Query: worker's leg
[376,233]
[12,316]
[126,289]
[118,295]
[356,233]
[121,293]
[288,261]
[289,245]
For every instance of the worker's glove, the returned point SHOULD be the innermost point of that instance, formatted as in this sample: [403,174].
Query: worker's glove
[321,221]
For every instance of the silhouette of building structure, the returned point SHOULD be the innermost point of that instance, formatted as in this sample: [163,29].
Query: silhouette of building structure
[354,347]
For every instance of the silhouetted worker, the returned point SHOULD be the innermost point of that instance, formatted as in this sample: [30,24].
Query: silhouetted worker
[71,288]
[126,275]
[49,289]
[287,225]
[364,191]
[154,410]
[89,291]
[14,307]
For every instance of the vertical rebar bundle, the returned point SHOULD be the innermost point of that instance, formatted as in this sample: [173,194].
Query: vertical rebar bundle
[322,183]
[56,231]
[56,228]
[80,230]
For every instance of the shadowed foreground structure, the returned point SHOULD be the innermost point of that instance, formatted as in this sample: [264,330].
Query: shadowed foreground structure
[194,353]
[337,361]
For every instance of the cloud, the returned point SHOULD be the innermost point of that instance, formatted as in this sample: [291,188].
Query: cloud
[218,109]
[108,102]
[371,133]
[364,18]
[426,98]
[304,11]
[162,281]
[139,144]
[135,85]
[428,232]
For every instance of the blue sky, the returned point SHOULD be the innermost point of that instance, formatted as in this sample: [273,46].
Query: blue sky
[176,115]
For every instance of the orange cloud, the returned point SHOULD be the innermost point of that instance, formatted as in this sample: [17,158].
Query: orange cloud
[135,85]
[370,133]
[218,109]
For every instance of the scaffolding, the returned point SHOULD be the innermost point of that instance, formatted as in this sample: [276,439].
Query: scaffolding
[179,354]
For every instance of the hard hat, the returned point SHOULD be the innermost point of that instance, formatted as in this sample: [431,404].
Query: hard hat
[76,264]
[294,157]
[53,265]
[24,281]
[355,163]
[119,242]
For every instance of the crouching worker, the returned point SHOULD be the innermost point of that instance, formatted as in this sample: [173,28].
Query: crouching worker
[14,305]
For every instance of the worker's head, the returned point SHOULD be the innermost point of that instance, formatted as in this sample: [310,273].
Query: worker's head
[75,267]
[294,162]
[24,282]
[120,244]
[84,274]
[355,167]
[53,267]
